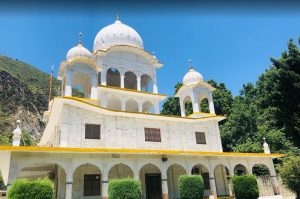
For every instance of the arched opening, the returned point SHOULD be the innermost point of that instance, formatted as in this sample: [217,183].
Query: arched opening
[264,181]
[52,171]
[204,106]
[222,179]
[240,169]
[81,85]
[188,106]
[120,171]
[150,176]
[99,78]
[260,170]
[114,103]
[130,80]
[148,107]
[173,173]
[132,106]
[146,83]
[199,169]
[113,78]
[86,182]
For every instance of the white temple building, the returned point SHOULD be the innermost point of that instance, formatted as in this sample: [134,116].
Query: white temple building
[116,130]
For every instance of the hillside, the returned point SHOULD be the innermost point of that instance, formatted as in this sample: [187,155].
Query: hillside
[24,96]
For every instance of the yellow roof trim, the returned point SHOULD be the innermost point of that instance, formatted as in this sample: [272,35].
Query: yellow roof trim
[81,98]
[131,90]
[142,113]
[132,151]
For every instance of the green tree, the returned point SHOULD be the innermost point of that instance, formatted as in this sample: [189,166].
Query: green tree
[290,174]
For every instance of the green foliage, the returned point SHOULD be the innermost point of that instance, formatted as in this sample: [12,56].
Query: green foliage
[290,174]
[33,189]
[245,187]
[191,187]
[27,140]
[124,189]
[4,140]
[171,107]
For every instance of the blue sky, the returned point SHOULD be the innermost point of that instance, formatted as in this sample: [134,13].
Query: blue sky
[233,46]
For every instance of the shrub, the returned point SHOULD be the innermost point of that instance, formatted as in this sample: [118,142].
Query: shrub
[32,189]
[290,174]
[124,189]
[191,187]
[245,187]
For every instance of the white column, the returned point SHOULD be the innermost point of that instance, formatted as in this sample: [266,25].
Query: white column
[103,76]
[123,104]
[94,86]
[138,79]
[182,108]
[69,183]
[213,188]
[155,89]
[195,103]
[105,184]
[103,100]
[156,108]
[68,90]
[211,103]
[122,75]
[164,186]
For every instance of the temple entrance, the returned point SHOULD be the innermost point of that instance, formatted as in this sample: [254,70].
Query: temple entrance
[153,186]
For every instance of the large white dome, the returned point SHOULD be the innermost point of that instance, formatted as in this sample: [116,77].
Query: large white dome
[79,52]
[192,77]
[117,34]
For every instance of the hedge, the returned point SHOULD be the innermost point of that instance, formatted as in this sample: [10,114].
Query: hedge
[245,187]
[191,187]
[31,189]
[124,189]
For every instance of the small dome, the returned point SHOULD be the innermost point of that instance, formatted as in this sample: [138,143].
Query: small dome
[117,34]
[79,52]
[192,77]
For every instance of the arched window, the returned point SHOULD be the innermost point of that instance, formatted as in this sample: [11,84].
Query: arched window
[240,170]
[130,80]
[148,107]
[188,106]
[146,83]
[204,106]
[132,106]
[114,103]
[99,78]
[113,78]
[81,85]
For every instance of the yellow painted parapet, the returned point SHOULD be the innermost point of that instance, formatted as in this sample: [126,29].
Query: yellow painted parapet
[132,151]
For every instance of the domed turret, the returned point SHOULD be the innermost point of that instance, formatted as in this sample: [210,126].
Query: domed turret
[117,34]
[192,77]
[79,52]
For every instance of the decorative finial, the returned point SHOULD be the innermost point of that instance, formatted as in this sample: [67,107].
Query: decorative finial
[266,147]
[118,17]
[17,133]
[153,54]
[191,66]
[80,38]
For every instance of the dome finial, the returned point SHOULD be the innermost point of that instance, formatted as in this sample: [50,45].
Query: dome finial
[191,66]
[80,38]
[118,17]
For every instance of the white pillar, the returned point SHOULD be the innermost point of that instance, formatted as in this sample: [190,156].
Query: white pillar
[94,86]
[182,108]
[105,184]
[164,186]
[138,79]
[156,108]
[122,75]
[155,89]
[69,183]
[68,90]
[123,104]
[103,76]
[211,103]
[195,103]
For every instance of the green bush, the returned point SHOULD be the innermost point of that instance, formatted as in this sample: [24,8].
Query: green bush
[191,187]
[31,189]
[245,187]
[124,189]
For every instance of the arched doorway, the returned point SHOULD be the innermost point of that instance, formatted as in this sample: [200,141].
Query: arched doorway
[264,181]
[200,169]
[204,106]
[150,176]
[188,106]
[132,106]
[146,83]
[222,179]
[240,169]
[148,107]
[86,182]
[173,173]
[52,171]
[114,103]
[130,80]
[113,78]
[120,171]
